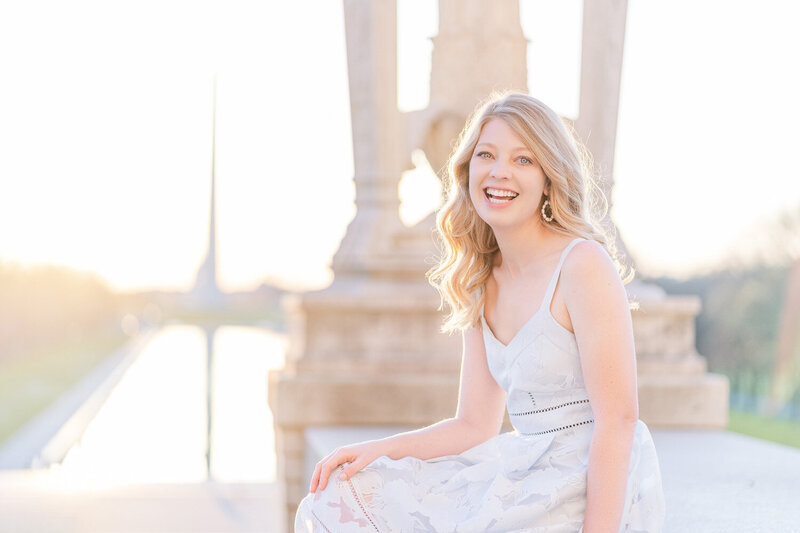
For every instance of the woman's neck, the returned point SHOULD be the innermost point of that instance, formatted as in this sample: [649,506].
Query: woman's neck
[524,247]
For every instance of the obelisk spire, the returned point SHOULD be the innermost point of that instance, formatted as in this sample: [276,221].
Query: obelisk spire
[212,226]
[205,289]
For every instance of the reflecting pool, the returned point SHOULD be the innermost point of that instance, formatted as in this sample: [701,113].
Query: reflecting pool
[191,407]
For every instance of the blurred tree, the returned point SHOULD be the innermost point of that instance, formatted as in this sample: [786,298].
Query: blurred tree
[749,327]
[46,306]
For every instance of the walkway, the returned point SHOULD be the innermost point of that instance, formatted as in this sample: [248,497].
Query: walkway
[36,502]
[714,481]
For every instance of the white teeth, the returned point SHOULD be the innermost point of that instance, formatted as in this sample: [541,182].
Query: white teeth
[498,192]
[498,201]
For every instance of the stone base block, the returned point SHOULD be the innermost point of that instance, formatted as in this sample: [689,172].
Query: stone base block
[684,401]
[369,327]
[331,399]
[664,330]
[298,401]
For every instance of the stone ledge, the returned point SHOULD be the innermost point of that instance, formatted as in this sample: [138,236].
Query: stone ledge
[714,481]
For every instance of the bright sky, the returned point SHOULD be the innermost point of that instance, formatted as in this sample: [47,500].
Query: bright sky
[105,130]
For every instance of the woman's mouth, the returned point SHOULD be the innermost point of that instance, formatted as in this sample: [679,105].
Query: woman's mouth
[499,196]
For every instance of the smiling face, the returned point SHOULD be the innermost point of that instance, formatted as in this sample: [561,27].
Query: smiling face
[506,182]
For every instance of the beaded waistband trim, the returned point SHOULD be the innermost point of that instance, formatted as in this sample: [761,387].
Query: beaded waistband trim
[559,429]
[549,408]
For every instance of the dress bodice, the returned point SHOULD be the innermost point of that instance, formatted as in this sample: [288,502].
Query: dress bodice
[540,370]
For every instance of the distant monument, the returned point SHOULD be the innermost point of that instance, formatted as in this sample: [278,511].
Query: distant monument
[205,292]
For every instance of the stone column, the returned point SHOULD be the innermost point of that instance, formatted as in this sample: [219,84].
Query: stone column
[480,48]
[367,349]
[675,389]
[601,72]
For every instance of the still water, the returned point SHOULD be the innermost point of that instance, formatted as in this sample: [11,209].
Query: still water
[167,422]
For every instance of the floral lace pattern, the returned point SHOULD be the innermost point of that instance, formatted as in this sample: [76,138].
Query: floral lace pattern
[532,479]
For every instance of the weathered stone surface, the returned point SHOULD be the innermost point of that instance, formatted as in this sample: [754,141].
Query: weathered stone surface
[674,388]
[664,328]
[684,401]
[323,399]
[370,328]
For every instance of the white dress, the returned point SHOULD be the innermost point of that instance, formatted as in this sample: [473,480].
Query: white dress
[532,479]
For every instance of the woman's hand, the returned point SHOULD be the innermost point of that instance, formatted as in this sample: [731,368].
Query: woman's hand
[358,455]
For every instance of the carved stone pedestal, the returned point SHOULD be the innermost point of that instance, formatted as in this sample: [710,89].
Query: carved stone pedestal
[675,389]
[362,352]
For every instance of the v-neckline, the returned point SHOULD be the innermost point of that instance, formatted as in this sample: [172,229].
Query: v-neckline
[516,335]
[541,306]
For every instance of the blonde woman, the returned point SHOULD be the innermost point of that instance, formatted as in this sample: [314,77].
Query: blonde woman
[532,284]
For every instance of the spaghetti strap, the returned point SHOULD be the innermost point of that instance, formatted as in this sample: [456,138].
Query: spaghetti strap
[551,288]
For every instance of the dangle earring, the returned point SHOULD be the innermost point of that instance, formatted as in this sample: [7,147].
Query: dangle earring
[545,205]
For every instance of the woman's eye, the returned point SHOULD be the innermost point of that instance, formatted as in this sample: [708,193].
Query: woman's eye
[484,155]
[525,161]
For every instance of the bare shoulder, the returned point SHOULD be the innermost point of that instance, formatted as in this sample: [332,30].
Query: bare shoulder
[589,270]
[588,255]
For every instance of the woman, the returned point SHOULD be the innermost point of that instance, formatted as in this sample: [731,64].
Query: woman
[530,281]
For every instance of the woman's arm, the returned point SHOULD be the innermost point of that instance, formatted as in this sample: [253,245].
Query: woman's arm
[481,404]
[598,308]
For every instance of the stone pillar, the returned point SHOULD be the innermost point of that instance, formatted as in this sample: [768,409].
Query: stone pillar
[480,48]
[601,72]
[471,33]
[367,349]
[675,389]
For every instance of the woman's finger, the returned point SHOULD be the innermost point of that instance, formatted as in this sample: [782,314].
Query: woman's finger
[314,478]
[326,472]
[322,471]
[352,468]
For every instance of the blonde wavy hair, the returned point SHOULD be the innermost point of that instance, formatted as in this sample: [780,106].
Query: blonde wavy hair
[467,243]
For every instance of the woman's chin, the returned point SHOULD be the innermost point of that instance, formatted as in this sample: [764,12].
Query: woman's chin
[502,223]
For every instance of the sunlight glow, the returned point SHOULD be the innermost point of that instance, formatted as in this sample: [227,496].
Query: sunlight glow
[420,190]
[105,136]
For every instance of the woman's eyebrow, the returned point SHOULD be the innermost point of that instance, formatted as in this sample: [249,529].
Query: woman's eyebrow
[515,149]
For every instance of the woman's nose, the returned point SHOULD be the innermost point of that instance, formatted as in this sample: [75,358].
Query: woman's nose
[500,169]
